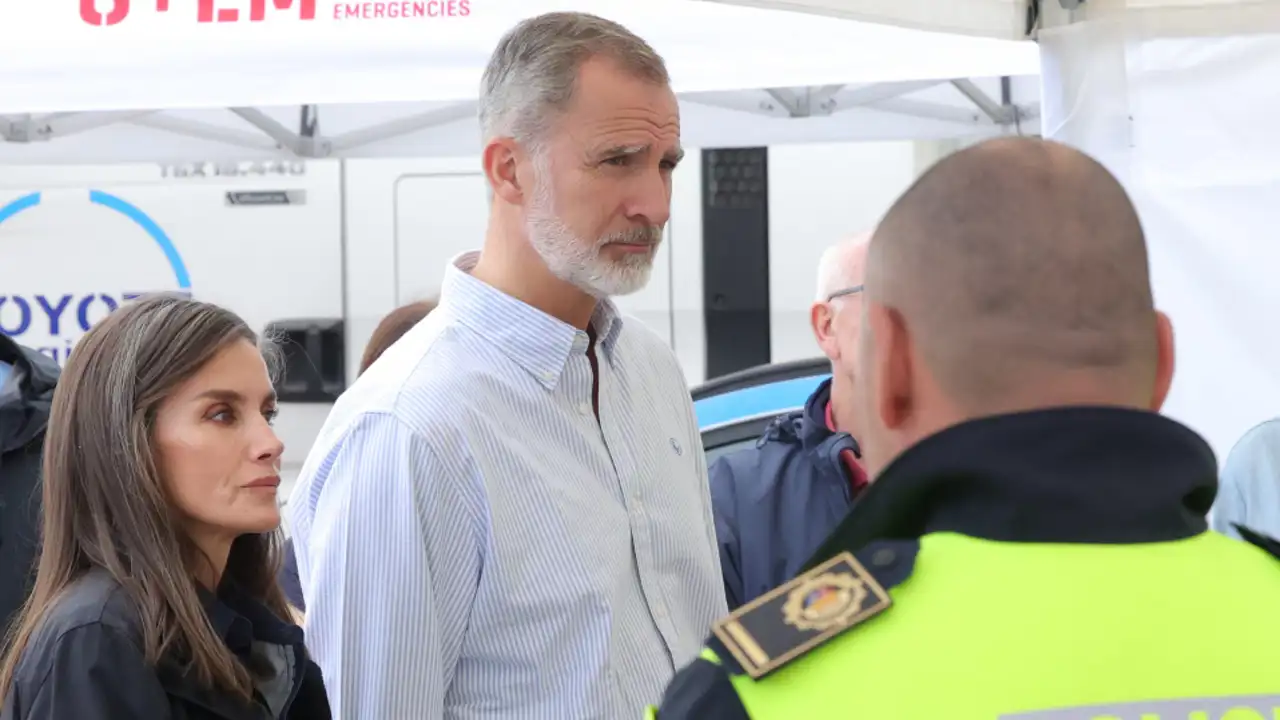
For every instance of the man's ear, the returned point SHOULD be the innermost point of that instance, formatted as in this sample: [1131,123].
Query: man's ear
[893,366]
[1165,361]
[500,157]
[820,318]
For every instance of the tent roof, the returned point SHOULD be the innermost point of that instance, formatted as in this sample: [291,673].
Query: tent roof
[1004,19]
[1016,19]
[52,61]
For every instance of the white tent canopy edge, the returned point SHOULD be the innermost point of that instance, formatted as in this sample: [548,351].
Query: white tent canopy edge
[1017,19]
[407,86]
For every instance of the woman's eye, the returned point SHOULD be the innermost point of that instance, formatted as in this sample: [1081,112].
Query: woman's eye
[222,416]
[270,415]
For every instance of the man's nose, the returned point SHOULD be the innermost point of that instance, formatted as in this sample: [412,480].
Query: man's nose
[652,201]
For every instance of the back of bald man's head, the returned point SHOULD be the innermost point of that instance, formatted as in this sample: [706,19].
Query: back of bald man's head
[1019,264]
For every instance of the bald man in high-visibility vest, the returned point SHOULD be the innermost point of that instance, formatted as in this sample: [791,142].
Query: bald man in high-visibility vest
[1033,545]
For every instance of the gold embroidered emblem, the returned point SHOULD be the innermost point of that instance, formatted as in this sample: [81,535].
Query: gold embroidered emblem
[826,601]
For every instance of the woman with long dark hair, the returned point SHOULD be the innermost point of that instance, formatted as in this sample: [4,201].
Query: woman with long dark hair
[156,594]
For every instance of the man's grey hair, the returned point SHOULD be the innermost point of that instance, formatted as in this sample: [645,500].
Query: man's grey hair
[836,268]
[532,73]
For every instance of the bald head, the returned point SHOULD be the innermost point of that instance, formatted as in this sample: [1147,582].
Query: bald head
[1020,268]
[842,265]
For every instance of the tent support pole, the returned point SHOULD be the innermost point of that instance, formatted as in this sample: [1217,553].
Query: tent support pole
[32,128]
[999,114]
[306,147]
[402,126]
[206,131]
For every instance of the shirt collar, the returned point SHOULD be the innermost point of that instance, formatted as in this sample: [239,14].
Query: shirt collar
[1071,475]
[239,619]
[536,341]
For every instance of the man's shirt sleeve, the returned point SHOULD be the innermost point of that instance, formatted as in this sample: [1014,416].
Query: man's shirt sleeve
[393,564]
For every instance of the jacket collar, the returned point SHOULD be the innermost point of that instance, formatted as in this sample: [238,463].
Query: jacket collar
[813,421]
[239,620]
[1074,475]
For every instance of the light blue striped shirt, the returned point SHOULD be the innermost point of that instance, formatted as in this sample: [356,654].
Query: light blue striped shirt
[473,544]
[1249,491]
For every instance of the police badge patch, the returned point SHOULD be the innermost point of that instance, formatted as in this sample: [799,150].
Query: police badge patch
[791,620]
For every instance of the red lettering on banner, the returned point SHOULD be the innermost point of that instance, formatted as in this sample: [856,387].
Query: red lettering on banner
[257,10]
[207,11]
[306,9]
[118,12]
[402,9]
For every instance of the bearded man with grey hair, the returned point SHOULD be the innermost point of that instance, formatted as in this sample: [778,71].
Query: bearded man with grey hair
[507,515]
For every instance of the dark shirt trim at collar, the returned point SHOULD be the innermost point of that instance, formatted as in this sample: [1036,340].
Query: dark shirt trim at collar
[1072,475]
[536,341]
[240,620]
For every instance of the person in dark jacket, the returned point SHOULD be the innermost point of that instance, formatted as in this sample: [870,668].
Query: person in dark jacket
[389,330]
[155,595]
[775,503]
[27,380]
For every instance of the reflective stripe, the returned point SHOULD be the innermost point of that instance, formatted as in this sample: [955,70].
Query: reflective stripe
[710,656]
[1251,707]
[651,713]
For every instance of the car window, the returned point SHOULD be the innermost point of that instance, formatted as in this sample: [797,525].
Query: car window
[714,453]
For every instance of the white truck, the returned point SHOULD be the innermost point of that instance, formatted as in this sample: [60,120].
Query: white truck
[328,247]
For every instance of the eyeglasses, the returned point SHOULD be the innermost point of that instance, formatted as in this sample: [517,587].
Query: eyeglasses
[847,291]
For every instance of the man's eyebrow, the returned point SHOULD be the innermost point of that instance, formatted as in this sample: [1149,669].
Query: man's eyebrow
[672,156]
[615,150]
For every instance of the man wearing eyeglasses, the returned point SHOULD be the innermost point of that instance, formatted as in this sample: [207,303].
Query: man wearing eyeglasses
[775,503]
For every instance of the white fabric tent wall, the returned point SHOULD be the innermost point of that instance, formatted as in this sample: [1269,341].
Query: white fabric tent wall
[73,92]
[1182,103]
[1179,98]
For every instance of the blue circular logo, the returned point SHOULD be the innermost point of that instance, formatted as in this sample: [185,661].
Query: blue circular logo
[127,209]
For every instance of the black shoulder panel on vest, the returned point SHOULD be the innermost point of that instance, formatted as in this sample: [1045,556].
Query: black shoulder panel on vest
[702,691]
[1270,544]
[787,622]
[727,661]
[890,562]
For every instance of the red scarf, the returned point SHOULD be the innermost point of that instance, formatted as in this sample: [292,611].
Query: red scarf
[857,476]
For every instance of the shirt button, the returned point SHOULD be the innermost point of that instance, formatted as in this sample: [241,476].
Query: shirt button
[584,408]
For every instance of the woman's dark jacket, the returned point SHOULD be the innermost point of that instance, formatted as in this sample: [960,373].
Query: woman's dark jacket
[86,662]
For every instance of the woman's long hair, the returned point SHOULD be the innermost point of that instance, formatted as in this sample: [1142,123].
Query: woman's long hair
[105,503]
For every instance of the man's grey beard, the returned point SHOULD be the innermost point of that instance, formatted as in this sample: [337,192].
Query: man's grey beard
[581,263]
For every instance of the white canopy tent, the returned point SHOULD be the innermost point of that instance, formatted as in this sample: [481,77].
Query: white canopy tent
[1181,99]
[401,78]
